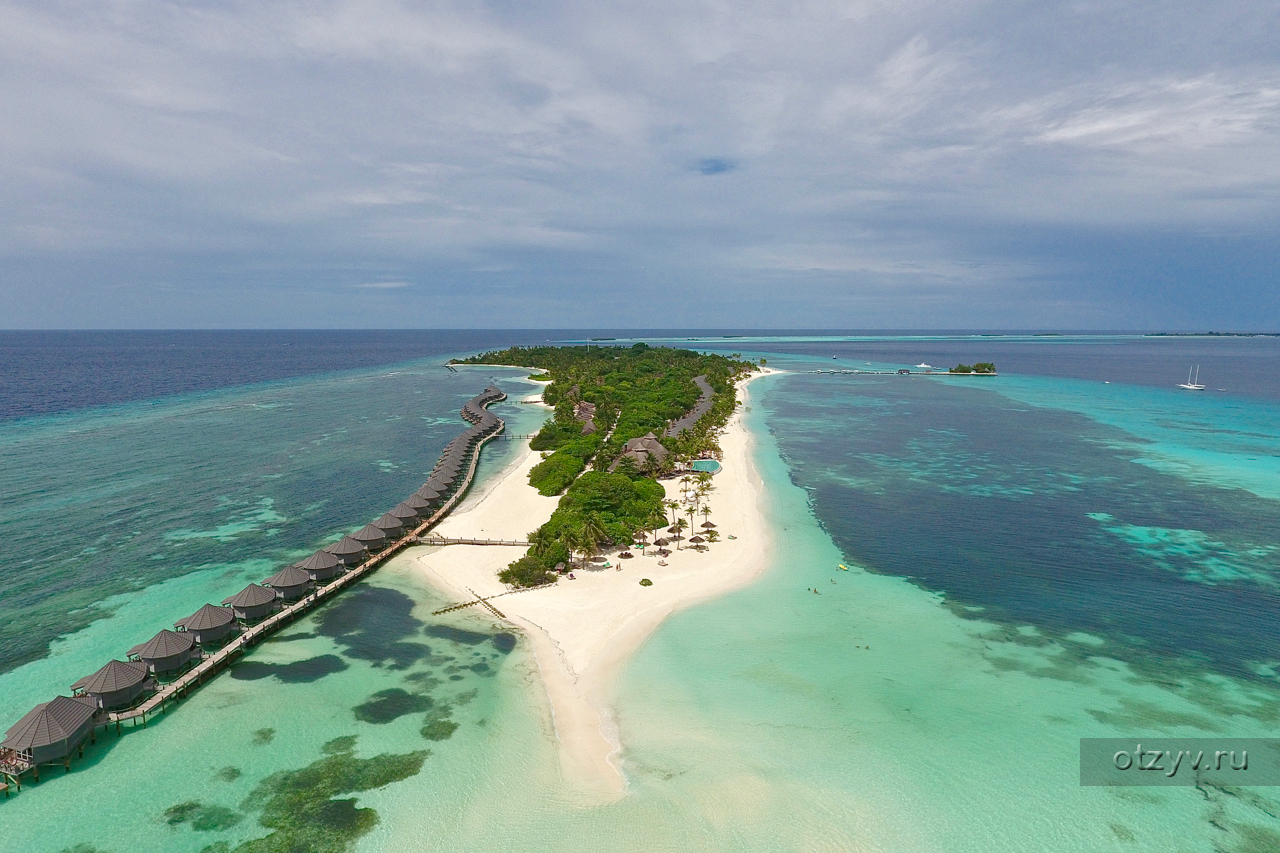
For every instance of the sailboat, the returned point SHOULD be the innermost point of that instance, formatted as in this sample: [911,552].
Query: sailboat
[1193,386]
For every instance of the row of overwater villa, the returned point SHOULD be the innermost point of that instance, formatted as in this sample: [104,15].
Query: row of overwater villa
[172,663]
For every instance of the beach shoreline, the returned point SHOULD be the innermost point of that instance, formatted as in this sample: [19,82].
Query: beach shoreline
[583,631]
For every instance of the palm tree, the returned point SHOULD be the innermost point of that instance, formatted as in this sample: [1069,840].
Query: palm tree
[673,506]
[679,526]
[594,530]
[540,542]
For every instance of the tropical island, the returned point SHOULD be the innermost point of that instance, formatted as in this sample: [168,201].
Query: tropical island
[632,415]
[618,459]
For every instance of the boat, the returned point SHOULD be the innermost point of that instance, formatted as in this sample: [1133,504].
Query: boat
[662,563]
[1192,386]
[924,366]
[843,567]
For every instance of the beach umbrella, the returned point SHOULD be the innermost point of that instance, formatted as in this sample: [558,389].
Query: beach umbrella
[673,529]
[661,542]
[709,525]
[697,540]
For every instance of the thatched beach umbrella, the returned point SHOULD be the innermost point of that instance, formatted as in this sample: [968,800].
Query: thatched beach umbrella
[697,540]
[661,543]
[708,525]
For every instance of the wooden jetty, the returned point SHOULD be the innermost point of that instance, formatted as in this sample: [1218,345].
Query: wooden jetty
[444,540]
[13,765]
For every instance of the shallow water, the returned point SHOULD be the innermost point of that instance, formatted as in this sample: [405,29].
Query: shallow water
[1034,561]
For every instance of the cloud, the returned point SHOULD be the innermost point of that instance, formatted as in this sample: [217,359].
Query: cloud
[504,150]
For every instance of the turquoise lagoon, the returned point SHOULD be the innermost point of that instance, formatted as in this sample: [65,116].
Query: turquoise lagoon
[1033,563]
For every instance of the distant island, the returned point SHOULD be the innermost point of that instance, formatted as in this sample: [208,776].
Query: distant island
[1212,335]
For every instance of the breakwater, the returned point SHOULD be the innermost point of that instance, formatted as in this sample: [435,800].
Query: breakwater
[170,666]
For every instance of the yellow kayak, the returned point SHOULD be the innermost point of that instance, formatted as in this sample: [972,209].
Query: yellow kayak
[843,567]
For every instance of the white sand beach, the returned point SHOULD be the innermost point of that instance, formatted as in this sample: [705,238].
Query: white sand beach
[582,631]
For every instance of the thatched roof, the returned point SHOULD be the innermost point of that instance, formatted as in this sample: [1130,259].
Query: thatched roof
[116,675]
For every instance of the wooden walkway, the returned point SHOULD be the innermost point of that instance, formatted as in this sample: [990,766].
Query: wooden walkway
[214,663]
[444,540]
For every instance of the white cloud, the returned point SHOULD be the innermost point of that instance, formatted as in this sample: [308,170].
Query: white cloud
[866,138]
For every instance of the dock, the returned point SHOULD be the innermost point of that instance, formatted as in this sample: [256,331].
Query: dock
[442,540]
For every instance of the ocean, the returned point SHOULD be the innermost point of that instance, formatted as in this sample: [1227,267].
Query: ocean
[1075,548]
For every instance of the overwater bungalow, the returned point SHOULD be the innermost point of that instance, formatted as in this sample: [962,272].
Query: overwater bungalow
[390,525]
[290,583]
[321,565]
[119,684]
[209,624]
[373,538]
[408,515]
[350,551]
[49,732]
[421,504]
[166,652]
[427,493]
[252,604]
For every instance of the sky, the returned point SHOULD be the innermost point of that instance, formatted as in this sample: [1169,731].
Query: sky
[656,164]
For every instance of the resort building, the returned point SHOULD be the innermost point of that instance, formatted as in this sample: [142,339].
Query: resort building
[351,551]
[372,537]
[49,732]
[640,451]
[119,684]
[166,652]
[252,604]
[209,624]
[322,565]
[290,583]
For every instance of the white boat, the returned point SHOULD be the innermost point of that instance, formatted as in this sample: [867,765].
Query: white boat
[924,366]
[1192,386]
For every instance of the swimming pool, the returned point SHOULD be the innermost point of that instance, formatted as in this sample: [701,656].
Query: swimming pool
[709,465]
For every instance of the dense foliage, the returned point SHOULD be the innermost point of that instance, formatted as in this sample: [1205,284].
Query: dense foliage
[980,367]
[635,390]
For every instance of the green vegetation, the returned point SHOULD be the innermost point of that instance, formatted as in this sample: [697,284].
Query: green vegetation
[634,390]
[645,582]
[299,805]
[980,367]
